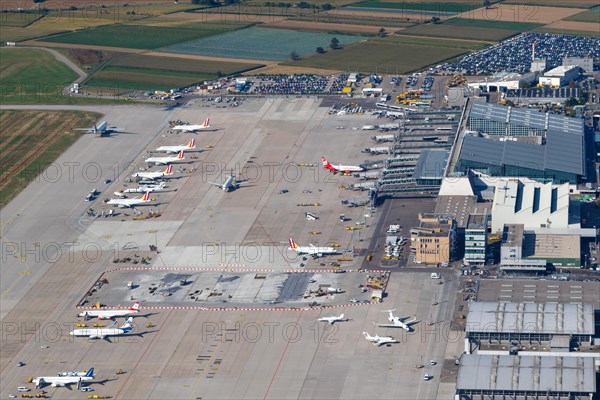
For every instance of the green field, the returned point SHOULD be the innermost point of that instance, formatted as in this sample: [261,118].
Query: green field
[568,32]
[555,3]
[464,28]
[340,19]
[437,42]
[586,16]
[381,57]
[420,6]
[140,72]
[18,19]
[134,36]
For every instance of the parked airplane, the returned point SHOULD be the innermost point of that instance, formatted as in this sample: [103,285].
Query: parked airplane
[146,188]
[340,168]
[177,149]
[101,129]
[155,174]
[166,160]
[378,340]
[333,319]
[65,381]
[123,203]
[229,185]
[108,314]
[104,333]
[73,373]
[192,128]
[312,249]
[397,322]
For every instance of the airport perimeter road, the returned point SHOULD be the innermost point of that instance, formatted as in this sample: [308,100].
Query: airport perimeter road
[38,225]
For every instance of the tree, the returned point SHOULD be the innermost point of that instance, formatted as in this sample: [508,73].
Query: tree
[435,20]
[294,56]
[382,32]
[303,4]
[327,7]
[320,50]
[335,44]
[487,3]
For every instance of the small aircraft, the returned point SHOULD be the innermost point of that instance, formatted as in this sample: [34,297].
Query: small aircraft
[177,149]
[146,188]
[378,340]
[311,249]
[123,203]
[108,314]
[166,160]
[397,322]
[63,381]
[333,319]
[340,168]
[101,129]
[154,175]
[104,333]
[193,127]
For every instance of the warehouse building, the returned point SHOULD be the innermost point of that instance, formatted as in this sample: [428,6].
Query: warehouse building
[510,377]
[524,328]
[542,95]
[560,76]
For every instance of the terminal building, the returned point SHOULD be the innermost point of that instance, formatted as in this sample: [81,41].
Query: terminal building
[515,142]
[510,377]
[434,240]
[529,328]
[476,239]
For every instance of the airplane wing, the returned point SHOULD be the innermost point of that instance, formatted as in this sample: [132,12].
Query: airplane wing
[388,326]
[107,338]
[217,184]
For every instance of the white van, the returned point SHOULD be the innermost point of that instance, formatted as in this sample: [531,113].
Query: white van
[435,275]
[23,389]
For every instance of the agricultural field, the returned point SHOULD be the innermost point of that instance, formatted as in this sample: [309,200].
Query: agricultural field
[434,7]
[20,20]
[397,23]
[308,26]
[555,3]
[383,57]
[470,45]
[32,140]
[134,36]
[144,72]
[260,44]
[572,28]
[586,16]
[448,29]
[520,13]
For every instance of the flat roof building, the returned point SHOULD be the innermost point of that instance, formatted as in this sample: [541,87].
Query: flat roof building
[434,240]
[492,377]
[430,167]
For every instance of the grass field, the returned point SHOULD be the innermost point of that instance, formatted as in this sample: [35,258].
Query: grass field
[437,42]
[383,57]
[568,32]
[346,20]
[32,140]
[491,24]
[458,31]
[586,16]
[260,44]
[18,19]
[447,7]
[133,36]
[161,73]
[555,3]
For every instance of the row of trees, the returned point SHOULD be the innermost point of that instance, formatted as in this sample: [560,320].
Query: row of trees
[334,45]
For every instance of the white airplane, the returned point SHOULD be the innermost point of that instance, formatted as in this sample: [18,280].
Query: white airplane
[340,168]
[63,381]
[192,128]
[333,319]
[73,373]
[397,322]
[123,203]
[101,129]
[166,160]
[104,333]
[108,314]
[312,249]
[155,174]
[177,149]
[378,340]
[146,188]
[229,185]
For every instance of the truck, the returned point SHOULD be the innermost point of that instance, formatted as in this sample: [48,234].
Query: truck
[334,290]
[393,229]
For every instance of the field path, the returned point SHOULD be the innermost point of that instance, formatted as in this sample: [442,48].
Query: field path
[445,38]
[58,57]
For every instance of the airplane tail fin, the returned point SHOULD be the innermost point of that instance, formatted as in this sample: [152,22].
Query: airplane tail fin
[327,164]
[90,372]
[206,123]
[169,170]
[342,316]
[192,144]
[293,244]
[136,306]
[181,155]
[128,323]
[146,197]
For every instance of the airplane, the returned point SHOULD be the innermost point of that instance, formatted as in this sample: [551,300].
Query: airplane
[146,188]
[311,249]
[333,319]
[73,373]
[166,160]
[63,381]
[192,128]
[397,322]
[123,203]
[108,314]
[378,340]
[229,185]
[101,129]
[340,168]
[154,174]
[177,149]
[104,333]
